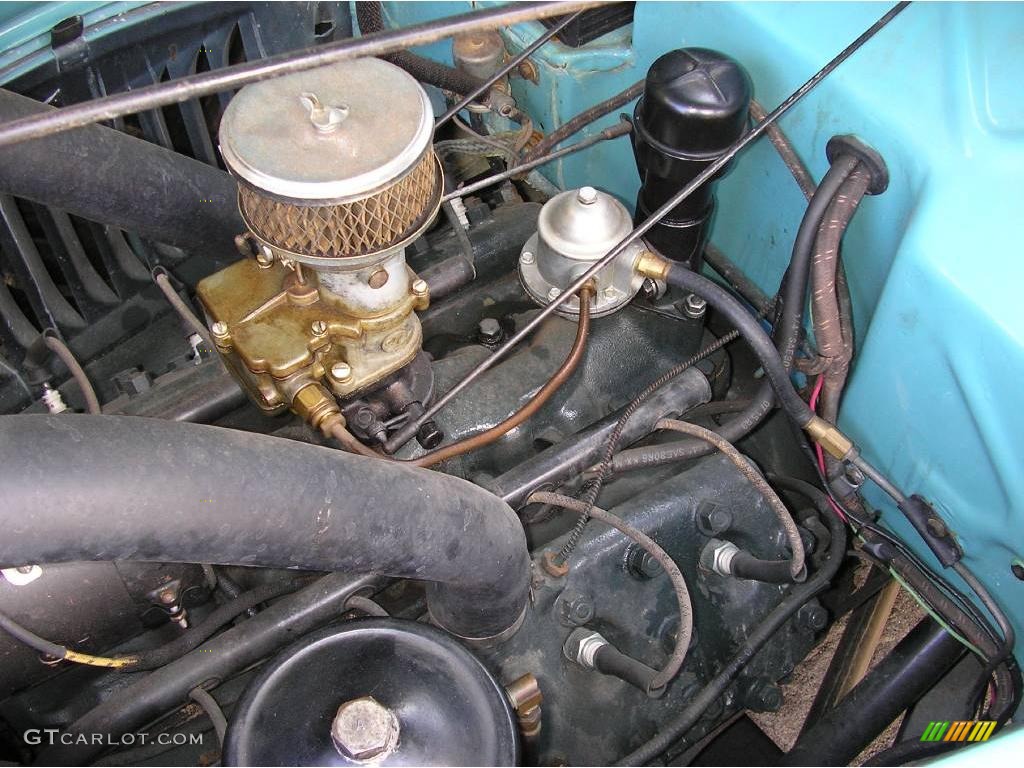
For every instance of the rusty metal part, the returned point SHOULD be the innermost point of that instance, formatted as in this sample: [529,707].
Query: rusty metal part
[229,78]
[859,664]
[526,697]
[535,403]
[388,219]
[513,63]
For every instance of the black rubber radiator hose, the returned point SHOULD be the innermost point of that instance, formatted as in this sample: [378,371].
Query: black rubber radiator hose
[124,488]
[113,178]
[371,19]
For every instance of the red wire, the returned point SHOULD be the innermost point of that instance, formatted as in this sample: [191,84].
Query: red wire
[815,393]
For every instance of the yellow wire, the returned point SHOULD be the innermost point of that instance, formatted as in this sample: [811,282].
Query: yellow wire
[99,661]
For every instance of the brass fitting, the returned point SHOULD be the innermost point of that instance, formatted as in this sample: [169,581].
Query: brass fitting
[524,693]
[829,437]
[649,264]
[317,407]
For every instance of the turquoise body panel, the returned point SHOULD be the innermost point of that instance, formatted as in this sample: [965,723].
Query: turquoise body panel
[934,263]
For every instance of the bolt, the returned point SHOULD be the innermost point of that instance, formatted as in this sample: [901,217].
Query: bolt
[526,257]
[378,278]
[1017,569]
[610,292]
[419,287]
[429,435]
[640,564]
[574,608]
[553,294]
[694,306]
[528,71]
[488,331]
[219,329]
[936,527]
[763,696]
[812,617]
[319,328]
[713,519]
[364,729]
[649,289]
[341,371]
[167,596]
[853,475]
[587,195]
[265,257]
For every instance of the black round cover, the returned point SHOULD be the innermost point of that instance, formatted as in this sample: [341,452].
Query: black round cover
[450,709]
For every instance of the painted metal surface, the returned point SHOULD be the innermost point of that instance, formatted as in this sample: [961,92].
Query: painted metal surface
[935,393]
[934,267]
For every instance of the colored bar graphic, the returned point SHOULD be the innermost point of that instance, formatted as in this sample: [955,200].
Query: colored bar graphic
[959,730]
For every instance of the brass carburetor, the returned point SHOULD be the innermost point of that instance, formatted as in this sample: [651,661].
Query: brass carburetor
[336,175]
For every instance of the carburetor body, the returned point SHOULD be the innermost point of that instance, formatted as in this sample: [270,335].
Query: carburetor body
[336,175]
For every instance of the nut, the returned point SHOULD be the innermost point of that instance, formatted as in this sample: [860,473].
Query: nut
[364,729]
[694,306]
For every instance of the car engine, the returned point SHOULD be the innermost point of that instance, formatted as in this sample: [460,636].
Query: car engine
[341,429]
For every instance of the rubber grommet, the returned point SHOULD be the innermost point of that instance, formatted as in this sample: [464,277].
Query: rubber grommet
[848,144]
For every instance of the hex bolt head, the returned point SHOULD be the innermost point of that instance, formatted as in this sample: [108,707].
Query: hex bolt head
[219,329]
[713,519]
[364,729]
[319,328]
[587,195]
[429,435]
[694,306]
[640,564]
[812,617]
[553,293]
[575,608]
[763,696]
[341,371]
[527,257]
[488,331]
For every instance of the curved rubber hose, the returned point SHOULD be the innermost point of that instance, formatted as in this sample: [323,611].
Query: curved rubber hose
[791,312]
[371,19]
[191,496]
[783,612]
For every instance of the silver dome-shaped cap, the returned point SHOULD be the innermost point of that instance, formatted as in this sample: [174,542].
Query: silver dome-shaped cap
[337,133]
[575,229]
[583,224]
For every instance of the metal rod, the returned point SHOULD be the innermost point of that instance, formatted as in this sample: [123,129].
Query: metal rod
[404,434]
[619,129]
[230,78]
[515,62]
